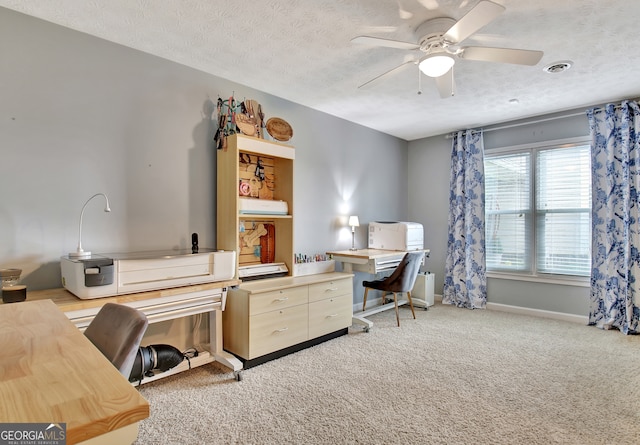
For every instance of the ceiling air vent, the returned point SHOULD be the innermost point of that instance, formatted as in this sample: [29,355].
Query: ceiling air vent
[558,67]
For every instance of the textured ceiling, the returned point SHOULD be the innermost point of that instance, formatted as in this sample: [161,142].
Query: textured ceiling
[300,50]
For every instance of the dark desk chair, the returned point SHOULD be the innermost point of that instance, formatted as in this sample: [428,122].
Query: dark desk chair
[400,281]
[117,331]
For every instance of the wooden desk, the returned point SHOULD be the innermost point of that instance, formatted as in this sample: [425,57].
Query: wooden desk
[160,305]
[373,261]
[51,373]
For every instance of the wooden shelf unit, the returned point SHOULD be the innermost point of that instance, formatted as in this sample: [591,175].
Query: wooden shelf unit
[268,318]
[280,179]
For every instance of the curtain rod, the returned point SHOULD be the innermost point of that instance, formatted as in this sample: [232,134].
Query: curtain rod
[522,124]
[538,121]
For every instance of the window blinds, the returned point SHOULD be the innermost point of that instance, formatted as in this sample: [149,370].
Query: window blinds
[563,210]
[538,207]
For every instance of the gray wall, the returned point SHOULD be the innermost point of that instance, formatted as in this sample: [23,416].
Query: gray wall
[428,188]
[80,115]
[429,162]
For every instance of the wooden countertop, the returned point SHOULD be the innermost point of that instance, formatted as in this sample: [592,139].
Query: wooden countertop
[66,301]
[51,373]
[370,253]
[270,284]
[366,253]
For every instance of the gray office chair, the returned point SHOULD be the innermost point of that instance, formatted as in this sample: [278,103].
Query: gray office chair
[117,331]
[400,281]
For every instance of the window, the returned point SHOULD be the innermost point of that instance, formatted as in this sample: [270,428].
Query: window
[538,210]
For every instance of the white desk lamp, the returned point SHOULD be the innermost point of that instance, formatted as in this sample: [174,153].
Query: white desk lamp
[80,253]
[353,222]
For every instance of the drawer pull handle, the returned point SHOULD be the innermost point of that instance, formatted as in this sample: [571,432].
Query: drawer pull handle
[282,330]
[282,299]
[332,315]
[332,289]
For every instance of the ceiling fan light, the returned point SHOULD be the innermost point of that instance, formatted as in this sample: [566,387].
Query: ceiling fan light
[435,65]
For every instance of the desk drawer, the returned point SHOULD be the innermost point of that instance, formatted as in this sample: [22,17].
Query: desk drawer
[330,315]
[279,299]
[160,308]
[279,329]
[327,289]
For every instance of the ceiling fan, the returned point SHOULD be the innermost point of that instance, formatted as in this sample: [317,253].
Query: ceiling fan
[439,42]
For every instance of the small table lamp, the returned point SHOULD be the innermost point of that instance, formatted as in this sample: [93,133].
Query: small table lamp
[80,252]
[353,222]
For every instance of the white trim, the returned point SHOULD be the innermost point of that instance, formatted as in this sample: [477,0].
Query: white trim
[555,279]
[538,313]
[532,150]
[573,318]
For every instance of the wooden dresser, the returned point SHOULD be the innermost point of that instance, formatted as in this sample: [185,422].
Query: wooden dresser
[266,319]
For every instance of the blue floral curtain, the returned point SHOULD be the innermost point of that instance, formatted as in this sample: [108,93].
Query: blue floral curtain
[465,283]
[615,256]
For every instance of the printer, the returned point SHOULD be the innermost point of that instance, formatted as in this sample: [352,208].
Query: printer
[105,275]
[396,235]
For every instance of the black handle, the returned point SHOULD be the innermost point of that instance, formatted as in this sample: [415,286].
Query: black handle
[194,243]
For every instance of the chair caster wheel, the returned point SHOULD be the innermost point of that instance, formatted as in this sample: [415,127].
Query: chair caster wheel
[237,375]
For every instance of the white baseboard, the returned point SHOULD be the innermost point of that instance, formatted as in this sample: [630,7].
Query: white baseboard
[538,313]
[373,302]
[581,319]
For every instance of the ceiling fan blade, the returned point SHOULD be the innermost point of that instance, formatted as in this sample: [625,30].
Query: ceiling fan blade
[377,41]
[429,4]
[502,55]
[403,13]
[446,84]
[482,14]
[388,73]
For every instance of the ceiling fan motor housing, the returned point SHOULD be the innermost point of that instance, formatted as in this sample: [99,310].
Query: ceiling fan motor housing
[430,33]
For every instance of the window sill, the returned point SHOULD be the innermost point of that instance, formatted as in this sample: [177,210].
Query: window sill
[554,279]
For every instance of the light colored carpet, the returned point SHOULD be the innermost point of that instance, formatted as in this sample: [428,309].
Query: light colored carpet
[453,376]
